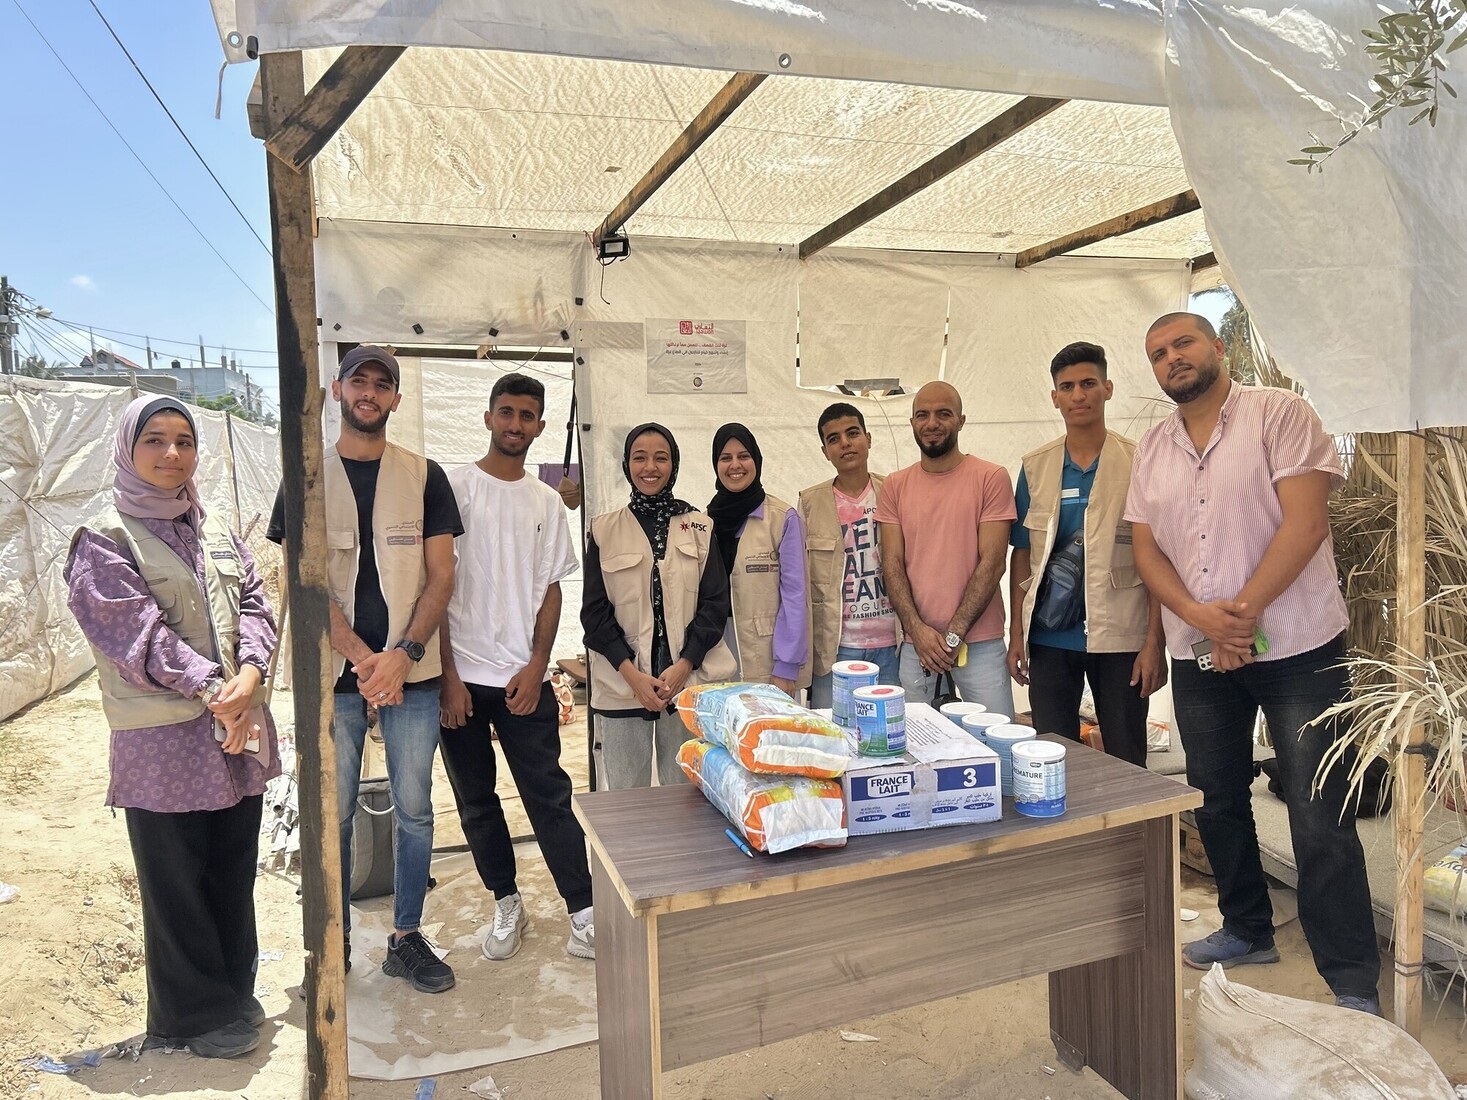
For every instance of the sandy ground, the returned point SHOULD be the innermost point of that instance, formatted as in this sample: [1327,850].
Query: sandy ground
[72,978]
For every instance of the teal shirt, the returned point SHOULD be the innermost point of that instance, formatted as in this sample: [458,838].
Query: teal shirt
[1075,485]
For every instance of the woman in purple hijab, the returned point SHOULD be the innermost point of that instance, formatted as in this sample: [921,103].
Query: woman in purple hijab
[171,604]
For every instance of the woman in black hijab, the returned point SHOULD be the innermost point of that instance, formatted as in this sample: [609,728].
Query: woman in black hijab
[761,541]
[654,606]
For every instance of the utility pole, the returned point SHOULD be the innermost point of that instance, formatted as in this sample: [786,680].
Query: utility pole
[8,327]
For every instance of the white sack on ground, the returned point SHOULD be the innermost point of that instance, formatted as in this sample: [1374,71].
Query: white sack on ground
[1253,1045]
[1074,48]
[1354,276]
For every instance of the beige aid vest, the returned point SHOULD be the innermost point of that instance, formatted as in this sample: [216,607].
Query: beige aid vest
[1116,602]
[207,619]
[626,567]
[825,566]
[397,543]
[754,590]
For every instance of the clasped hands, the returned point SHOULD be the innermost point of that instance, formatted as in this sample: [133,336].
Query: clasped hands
[1232,627]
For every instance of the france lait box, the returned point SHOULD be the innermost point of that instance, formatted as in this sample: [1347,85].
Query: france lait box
[945,777]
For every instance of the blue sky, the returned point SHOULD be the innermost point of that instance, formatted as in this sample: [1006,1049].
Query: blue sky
[84,232]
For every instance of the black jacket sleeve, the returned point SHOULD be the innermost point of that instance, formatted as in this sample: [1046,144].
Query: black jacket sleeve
[604,634]
[710,618]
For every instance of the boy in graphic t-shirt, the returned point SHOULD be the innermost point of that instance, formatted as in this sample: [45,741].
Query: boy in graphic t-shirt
[851,618]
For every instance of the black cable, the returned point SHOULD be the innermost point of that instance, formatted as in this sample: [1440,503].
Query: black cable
[190,344]
[176,126]
[62,61]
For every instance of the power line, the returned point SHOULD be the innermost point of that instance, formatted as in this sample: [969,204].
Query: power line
[192,344]
[176,126]
[62,62]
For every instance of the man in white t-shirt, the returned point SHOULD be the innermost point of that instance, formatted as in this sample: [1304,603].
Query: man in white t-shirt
[495,643]
[851,618]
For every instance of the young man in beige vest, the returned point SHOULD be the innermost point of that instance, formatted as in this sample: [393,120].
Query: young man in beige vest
[390,523]
[1088,616]
[851,618]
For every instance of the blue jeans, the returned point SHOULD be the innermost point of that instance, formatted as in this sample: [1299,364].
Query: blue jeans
[410,735]
[984,679]
[885,659]
[1215,714]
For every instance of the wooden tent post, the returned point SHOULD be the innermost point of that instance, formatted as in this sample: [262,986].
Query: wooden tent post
[301,399]
[1410,802]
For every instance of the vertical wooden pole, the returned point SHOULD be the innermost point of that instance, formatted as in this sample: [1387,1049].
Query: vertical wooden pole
[1410,802]
[301,398]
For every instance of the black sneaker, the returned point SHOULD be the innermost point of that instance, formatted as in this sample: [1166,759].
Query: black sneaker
[229,1041]
[252,1011]
[410,957]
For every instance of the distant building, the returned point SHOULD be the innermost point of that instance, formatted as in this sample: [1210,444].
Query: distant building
[189,383]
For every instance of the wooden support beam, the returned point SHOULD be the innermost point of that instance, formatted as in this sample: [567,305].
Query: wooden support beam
[1157,212]
[739,88]
[996,130]
[1204,261]
[313,122]
[1409,802]
[301,401]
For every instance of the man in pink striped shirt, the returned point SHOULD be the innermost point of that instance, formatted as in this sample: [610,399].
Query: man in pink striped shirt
[1229,500]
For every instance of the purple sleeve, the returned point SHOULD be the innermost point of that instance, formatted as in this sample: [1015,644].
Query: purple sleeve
[791,625]
[257,634]
[121,619]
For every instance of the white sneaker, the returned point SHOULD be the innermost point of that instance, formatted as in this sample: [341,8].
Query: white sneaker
[582,942]
[510,920]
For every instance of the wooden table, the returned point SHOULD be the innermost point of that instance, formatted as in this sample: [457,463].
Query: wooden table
[702,952]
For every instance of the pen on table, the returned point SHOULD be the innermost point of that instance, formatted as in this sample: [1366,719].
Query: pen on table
[743,845]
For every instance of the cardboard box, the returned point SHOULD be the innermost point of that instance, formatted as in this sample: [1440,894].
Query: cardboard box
[946,777]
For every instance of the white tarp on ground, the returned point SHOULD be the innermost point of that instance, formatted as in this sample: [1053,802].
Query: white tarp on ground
[1350,274]
[56,465]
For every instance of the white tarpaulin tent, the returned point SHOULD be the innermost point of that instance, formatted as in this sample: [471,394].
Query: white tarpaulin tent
[496,129]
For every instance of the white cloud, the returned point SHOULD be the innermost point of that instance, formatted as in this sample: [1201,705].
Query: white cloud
[83,282]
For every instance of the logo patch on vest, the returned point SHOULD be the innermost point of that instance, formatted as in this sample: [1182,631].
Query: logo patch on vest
[222,555]
[405,534]
[692,525]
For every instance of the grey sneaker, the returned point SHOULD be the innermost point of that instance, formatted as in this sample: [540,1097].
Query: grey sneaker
[1228,950]
[510,922]
[1359,1004]
[582,942]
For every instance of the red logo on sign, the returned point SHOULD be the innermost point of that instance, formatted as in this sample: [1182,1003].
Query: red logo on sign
[685,328]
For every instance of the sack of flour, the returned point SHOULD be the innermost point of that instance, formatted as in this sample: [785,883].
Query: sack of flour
[765,730]
[774,812]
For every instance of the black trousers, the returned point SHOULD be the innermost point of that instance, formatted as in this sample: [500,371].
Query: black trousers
[1215,716]
[196,875]
[531,745]
[1056,681]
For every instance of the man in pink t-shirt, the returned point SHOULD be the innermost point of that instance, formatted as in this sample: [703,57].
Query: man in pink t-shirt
[944,530]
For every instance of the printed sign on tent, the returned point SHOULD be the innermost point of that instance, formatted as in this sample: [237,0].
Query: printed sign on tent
[695,356]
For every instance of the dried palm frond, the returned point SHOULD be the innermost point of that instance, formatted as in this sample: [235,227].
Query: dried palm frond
[1394,691]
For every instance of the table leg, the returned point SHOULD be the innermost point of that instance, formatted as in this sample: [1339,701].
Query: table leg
[1122,1016]
[628,1017]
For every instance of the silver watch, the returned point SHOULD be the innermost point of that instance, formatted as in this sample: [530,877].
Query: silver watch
[952,641]
[211,690]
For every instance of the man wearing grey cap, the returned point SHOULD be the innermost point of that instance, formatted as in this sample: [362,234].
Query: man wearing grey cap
[391,519]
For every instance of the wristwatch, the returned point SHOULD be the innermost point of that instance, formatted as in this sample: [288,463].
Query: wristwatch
[415,650]
[951,640]
[210,691]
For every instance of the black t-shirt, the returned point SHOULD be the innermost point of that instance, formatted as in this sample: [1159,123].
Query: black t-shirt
[440,517]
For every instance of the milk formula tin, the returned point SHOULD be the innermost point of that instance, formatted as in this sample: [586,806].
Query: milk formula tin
[846,677]
[881,720]
[977,725]
[1039,778]
[1002,739]
[955,712]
